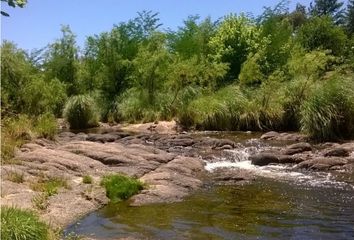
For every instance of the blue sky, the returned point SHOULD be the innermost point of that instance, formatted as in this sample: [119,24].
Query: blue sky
[39,22]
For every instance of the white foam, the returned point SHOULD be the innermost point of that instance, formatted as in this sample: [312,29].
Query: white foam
[239,159]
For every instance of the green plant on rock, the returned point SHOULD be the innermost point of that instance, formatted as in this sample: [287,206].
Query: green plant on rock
[80,111]
[120,187]
[18,224]
[87,179]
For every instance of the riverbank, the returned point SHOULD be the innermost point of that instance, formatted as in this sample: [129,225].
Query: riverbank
[172,165]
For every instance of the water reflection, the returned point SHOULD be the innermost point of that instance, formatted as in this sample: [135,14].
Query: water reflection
[265,209]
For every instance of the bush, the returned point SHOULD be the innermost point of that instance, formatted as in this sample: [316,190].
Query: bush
[329,113]
[17,224]
[46,126]
[120,187]
[80,111]
[42,96]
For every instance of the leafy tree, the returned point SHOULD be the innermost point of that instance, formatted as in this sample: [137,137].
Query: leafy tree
[13,3]
[236,37]
[62,60]
[150,66]
[350,17]
[15,75]
[298,17]
[192,39]
[322,33]
[332,8]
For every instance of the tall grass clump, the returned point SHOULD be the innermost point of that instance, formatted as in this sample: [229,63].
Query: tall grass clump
[329,113]
[14,132]
[18,224]
[81,112]
[46,126]
[120,187]
[218,111]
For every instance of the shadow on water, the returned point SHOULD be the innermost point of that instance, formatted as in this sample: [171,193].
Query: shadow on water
[263,209]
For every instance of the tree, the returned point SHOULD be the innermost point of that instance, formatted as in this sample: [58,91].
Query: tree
[350,17]
[322,33]
[150,66]
[13,3]
[332,8]
[192,39]
[235,38]
[15,75]
[62,60]
[298,17]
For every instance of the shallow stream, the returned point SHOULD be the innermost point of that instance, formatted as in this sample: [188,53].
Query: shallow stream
[281,203]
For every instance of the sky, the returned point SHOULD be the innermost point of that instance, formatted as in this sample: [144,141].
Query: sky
[39,22]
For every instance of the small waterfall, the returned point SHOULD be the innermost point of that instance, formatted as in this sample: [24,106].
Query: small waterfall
[239,158]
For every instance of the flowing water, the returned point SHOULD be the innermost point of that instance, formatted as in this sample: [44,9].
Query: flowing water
[281,203]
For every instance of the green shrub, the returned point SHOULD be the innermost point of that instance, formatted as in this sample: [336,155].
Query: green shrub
[80,111]
[14,132]
[17,224]
[329,113]
[87,179]
[46,126]
[42,96]
[120,187]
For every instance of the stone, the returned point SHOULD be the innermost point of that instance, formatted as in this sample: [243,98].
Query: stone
[297,148]
[265,158]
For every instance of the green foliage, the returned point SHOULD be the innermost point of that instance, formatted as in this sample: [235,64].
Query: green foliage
[120,187]
[87,179]
[251,73]
[192,39]
[15,74]
[13,3]
[61,60]
[18,224]
[322,33]
[234,40]
[349,17]
[46,126]
[80,112]
[42,96]
[14,132]
[329,113]
[150,67]
[332,8]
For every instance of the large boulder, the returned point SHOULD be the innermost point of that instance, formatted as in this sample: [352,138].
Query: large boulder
[321,163]
[337,152]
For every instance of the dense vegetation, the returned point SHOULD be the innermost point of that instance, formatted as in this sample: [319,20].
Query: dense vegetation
[283,70]
[18,224]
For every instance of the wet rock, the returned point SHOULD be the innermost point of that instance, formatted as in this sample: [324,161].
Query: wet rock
[322,164]
[337,152]
[297,148]
[270,135]
[290,159]
[296,137]
[264,158]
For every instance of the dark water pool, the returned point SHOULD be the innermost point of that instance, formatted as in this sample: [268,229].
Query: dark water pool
[263,209]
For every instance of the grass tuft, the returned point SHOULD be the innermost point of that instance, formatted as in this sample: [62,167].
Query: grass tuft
[18,224]
[120,187]
[87,179]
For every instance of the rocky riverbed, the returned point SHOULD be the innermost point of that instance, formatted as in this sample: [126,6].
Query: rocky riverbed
[171,164]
